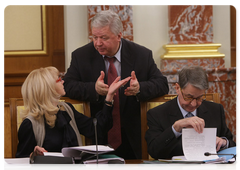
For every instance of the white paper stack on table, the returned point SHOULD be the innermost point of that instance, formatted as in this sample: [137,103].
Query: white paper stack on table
[85,153]
[77,150]
[102,161]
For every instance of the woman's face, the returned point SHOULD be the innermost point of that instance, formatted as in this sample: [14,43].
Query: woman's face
[59,86]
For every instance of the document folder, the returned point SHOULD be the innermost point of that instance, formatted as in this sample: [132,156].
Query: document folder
[51,160]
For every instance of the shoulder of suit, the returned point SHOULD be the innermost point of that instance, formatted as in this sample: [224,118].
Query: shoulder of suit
[209,102]
[212,107]
[87,47]
[131,44]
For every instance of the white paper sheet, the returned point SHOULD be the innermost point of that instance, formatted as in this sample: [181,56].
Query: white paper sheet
[53,154]
[195,144]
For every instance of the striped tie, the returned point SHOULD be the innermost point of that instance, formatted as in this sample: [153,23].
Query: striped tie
[189,115]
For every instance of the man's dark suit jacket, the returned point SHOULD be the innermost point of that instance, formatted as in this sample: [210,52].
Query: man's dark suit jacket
[160,138]
[85,69]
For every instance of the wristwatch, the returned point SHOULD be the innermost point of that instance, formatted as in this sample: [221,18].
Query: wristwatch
[138,95]
[109,103]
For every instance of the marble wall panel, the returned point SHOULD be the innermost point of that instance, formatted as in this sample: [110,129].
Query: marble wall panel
[190,24]
[179,64]
[227,91]
[222,81]
[125,13]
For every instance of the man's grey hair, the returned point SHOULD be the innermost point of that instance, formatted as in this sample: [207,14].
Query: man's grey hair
[107,18]
[195,76]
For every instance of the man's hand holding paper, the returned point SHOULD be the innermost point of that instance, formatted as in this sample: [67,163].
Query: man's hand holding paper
[195,122]
[198,124]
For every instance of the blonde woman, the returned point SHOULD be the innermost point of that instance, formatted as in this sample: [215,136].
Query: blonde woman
[50,125]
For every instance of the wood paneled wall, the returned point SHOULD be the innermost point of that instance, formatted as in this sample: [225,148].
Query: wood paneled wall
[235,35]
[7,132]
[19,65]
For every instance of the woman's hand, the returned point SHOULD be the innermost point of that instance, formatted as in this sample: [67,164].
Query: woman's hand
[116,84]
[38,151]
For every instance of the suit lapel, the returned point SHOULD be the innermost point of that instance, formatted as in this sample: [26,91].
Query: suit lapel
[175,112]
[127,60]
[203,113]
[127,66]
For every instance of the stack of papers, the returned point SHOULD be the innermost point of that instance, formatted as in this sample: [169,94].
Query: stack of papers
[102,161]
[79,152]
[182,159]
[87,154]
[76,151]
[91,149]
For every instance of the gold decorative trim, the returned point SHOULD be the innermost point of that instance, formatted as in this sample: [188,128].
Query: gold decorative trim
[170,97]
[192,51]
[2,104]
[44,40]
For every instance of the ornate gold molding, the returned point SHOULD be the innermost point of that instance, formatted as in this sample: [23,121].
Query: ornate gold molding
[192,51]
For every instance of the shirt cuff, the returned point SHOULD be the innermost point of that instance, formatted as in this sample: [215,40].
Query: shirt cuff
[226,146]
[177,134]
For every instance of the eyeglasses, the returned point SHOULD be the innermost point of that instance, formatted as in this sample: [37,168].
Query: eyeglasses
[59,78]
[190,99]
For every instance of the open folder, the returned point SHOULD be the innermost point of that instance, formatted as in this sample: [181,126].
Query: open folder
[79,154]
[91,149]
[66,159]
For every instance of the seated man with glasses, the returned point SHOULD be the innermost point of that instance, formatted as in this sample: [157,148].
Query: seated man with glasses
[188,110]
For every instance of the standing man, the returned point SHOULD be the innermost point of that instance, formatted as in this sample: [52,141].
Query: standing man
[92,69]
[188,110]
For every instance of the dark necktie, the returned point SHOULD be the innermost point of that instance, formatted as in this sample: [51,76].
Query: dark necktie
[114,134]
[189,114]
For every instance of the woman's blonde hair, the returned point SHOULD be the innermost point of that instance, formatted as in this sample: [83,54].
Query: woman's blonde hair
[40,96]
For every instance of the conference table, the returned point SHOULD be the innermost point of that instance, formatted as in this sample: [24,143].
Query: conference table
[133,164]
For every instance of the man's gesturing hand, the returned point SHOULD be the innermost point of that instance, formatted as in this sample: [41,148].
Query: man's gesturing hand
[100,86]
[134,87]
